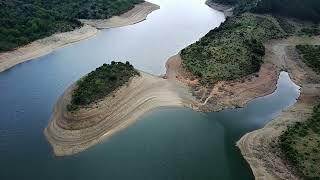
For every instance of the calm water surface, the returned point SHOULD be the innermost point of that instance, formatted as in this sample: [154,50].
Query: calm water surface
[170,143]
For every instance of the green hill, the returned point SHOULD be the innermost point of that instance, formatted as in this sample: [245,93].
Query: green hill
[100,83]
[23,21]
[301,145]
[232,50]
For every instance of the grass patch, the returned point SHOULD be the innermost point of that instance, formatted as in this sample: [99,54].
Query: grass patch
[100,83]
[301,145]
[311,56]
[232,50]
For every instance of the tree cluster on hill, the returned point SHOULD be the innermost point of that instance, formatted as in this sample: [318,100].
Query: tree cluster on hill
[311,55]
[100,83]
[232,50]
[23,21]
[301,145]
[301,9]
[84,9]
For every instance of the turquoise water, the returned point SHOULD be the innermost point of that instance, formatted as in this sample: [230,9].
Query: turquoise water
[170,143]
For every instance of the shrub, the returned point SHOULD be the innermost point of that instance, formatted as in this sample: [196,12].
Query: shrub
[100,83]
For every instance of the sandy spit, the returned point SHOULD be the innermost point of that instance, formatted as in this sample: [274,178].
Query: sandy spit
[46,45]
[137,14]
[260,148]
[71,133]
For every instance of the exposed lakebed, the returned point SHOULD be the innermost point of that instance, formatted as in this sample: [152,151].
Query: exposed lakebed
[170,143]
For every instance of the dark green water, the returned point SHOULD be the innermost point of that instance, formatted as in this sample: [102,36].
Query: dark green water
[170,143]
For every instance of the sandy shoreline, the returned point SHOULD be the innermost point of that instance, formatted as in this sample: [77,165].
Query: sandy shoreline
[137,14]
[260,148]
[70,133]
[73,133]
[46,45]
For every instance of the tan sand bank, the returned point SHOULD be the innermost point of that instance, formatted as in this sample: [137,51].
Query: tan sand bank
[260,148]
[44,46]
[70,133]
[137,14]
[47,45]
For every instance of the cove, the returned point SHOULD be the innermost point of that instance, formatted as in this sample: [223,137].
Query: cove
[170,143]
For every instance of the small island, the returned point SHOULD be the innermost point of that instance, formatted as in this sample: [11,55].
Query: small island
[105,101]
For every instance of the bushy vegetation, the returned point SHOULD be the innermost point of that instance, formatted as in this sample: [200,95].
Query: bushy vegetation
[23,21]
[310,31]
[286,25]
[301,9]
[84,9]
[232,50]
[311,55]
[301,144]
[100,83]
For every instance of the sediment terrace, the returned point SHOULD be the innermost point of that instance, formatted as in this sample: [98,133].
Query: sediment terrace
[71,133]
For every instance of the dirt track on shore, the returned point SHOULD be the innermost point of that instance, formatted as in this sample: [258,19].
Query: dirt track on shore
[225,94]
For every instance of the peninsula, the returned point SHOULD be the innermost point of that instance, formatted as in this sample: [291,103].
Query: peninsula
[287,147]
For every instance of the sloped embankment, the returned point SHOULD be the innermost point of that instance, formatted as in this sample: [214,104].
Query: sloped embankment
[113,113]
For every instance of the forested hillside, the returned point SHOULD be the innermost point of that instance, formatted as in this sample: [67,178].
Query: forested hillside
[232,50]
[301,143]
[23,21]
[301,9]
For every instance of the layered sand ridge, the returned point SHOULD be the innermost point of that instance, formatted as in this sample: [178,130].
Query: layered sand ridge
[46,45]
[71,133]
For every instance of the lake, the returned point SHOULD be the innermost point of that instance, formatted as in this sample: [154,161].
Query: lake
[169,143]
